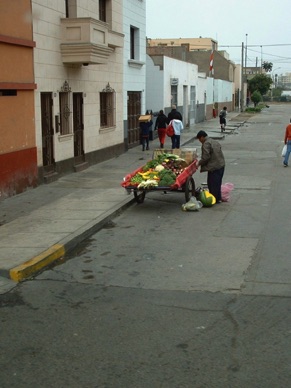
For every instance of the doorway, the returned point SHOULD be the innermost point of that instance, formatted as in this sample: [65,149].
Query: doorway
[133,113]
[47,130]
[78,128]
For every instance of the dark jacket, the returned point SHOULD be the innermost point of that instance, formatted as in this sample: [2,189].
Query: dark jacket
[145,128]
[174,114]
[212,157]
[222,114]
[162,121]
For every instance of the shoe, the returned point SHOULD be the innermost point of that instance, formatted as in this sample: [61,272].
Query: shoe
[285,165]
[147,148]
[143,149]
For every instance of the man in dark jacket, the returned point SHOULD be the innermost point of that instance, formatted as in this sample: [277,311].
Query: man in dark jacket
[174,114]
[212,160]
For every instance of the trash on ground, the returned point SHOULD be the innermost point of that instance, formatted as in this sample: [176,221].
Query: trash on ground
[192,205]
[226,189]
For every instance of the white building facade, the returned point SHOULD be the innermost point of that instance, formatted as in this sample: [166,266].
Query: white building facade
[172,82]
[78,61]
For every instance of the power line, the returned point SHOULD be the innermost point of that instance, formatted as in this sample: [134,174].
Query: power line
[258,45]
[271,55]
[276,59]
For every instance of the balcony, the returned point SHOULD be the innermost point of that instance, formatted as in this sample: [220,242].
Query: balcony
[88,41]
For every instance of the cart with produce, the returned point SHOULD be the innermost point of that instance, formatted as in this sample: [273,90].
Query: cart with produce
[168,171]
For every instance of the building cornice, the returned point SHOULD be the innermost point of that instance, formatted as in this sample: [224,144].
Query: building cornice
[16,41]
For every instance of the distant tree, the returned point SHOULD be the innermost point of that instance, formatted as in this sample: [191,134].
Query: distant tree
[256,97]
[267,66]
[277,92]
[261,83]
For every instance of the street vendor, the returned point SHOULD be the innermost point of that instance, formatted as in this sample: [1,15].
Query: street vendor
[212,160]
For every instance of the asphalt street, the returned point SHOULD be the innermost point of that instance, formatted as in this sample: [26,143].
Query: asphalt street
[213,310]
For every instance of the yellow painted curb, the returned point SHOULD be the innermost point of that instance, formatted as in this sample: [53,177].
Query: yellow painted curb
[34,265]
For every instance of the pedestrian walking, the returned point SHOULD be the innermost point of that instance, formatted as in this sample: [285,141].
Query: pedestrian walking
[178,127]
[160,126]
[145,127]
[151,135]
[222,118]
[212,160]
[174,113]
[287,141]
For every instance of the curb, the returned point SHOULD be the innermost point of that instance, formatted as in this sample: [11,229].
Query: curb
[38,263]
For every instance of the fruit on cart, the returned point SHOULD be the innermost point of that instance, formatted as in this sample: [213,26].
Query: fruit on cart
[151,174]
[164,169]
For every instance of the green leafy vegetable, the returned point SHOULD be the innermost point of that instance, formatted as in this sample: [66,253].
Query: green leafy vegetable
[151,164]
[167,177]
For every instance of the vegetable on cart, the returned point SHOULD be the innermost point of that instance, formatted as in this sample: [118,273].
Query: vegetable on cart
[167,171]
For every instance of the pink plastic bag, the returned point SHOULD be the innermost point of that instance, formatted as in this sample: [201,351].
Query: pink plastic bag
[226,189]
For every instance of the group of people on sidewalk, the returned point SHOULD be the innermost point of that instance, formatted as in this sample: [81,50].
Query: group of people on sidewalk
[161,124]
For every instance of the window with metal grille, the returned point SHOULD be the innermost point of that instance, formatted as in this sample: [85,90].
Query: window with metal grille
[107,109]
[192,97]
[174,93]
[102,10]
[133,43]
[65,113]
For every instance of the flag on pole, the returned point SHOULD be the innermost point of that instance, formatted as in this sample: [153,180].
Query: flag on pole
[211,69]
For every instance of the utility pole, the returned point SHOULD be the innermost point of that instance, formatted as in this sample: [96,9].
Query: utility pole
[246,53]
[242,79]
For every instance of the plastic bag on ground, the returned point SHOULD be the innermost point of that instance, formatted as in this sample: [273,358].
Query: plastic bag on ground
[192,205]
[226,189]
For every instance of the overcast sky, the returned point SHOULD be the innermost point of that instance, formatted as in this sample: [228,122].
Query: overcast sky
[267,24]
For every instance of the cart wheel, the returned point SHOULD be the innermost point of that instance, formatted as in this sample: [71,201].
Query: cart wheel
[139,195]
[189,188]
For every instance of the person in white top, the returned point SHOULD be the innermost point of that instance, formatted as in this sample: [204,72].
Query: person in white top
[178,127]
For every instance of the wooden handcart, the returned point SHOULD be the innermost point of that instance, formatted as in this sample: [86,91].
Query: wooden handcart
[184,183]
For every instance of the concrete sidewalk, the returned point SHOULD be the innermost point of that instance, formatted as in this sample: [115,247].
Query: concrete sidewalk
[40,225]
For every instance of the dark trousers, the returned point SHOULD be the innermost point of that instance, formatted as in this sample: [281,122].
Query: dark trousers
[214,181]
[175,141]
[145,142]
